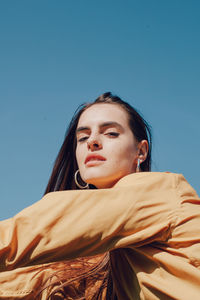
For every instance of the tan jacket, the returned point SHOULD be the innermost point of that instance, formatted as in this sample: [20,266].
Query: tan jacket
[150,223]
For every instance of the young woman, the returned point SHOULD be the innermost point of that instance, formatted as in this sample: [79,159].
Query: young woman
[131,234]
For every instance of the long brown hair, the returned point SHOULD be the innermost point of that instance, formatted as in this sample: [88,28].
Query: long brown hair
[71,275]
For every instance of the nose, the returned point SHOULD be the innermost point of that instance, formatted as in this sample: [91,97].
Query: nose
[94,144]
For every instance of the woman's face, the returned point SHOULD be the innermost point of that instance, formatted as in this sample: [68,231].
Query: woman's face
[106,147]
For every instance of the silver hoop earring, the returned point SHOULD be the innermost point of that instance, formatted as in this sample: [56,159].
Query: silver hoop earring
[138,166]
[78,184]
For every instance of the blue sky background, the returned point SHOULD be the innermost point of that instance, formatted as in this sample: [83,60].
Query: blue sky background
[54,55]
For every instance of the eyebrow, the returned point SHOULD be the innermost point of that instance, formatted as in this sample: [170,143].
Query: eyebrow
[106,124]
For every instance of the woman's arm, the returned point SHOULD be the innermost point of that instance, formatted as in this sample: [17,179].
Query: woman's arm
[70,224]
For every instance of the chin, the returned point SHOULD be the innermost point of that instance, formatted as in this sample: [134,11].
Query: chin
[102,181]
[92,174]
[102,177]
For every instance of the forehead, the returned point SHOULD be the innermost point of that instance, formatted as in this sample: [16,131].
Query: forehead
[103,112]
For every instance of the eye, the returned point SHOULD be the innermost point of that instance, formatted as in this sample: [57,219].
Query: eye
[82,139]
[112,134]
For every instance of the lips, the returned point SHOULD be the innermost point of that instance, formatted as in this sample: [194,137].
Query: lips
[94,157]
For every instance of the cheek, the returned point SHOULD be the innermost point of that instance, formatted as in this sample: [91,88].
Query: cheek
[123,156]
[81,153]
[78,156]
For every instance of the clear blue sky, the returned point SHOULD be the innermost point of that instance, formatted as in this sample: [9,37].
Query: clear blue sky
[55,55]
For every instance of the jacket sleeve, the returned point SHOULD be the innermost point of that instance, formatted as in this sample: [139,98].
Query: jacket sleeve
[69,224]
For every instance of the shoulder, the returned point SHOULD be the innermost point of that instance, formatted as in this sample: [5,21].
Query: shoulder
[151,178]
[159,181]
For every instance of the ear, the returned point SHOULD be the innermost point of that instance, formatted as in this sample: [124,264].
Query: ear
[143,149]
